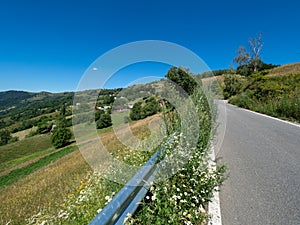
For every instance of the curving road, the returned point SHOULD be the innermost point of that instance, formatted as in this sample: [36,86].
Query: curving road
[263,158]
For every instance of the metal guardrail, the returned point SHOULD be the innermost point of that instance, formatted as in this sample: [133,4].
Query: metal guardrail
[127,199]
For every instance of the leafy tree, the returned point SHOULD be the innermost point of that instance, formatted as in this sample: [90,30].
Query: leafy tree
[108,100]
[5,136]
[182,78]
[104,121]
[243,57]
[145,108]
[244,70]
[61,135]
[151,107]
[136,111]
[98,114]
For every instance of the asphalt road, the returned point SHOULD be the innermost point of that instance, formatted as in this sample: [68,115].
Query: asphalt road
[263,158]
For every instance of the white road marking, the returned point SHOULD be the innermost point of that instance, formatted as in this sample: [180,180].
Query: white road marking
[214,208]
[270,117]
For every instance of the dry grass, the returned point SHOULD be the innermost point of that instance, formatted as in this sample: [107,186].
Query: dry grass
[47,188]
[22,134]
[285,70]
[44,189]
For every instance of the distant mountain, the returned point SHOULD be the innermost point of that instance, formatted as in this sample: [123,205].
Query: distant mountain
[21,105]
[12,98]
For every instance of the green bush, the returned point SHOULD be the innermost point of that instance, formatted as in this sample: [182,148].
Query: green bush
[243,100]
[233,85]
[5,136]
[142,109]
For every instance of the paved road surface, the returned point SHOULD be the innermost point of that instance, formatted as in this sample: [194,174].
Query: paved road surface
[263,156]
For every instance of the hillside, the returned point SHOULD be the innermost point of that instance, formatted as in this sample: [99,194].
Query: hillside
[275,93]
[285,70]
[17,99]
[12,98]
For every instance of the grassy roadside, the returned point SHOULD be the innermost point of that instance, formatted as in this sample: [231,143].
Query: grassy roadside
[277,96]
[183,197]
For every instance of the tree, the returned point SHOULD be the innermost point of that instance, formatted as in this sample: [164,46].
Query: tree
[61,134]
[136,111]
[104,121]
[5,136]
[243,56]
[151,107]
[182,78]
[255,47]
[63,110]
[98,114]
[249,62]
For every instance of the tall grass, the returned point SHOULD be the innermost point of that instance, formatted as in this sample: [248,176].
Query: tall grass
[182,198]
[277,96]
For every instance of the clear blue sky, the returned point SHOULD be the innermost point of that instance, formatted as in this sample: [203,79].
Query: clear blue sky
[47,45]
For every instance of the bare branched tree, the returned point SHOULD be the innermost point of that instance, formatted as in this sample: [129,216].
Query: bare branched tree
[256,45]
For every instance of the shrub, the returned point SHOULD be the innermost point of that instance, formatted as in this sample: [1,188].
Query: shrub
[233,85]
[5,136]
[142,109]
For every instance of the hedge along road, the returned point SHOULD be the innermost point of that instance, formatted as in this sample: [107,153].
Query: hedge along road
[263,158]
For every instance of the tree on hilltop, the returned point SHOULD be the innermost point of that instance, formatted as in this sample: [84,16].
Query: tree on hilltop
[250,62]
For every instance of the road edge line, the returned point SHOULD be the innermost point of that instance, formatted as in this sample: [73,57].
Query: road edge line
[267,116]
[214,208]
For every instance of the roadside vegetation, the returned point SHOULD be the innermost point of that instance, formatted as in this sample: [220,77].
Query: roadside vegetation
[266,88]
[183,198]
[274,95]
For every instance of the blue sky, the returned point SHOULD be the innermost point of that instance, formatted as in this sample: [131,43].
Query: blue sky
[47,45]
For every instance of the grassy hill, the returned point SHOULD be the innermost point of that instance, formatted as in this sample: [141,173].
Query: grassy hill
[20,99]
[285,70]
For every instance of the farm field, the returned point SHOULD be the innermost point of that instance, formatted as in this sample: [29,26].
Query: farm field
[42,194]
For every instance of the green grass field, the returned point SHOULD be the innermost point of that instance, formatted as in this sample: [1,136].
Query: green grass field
[21,172]
[53,183]
[19,152]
